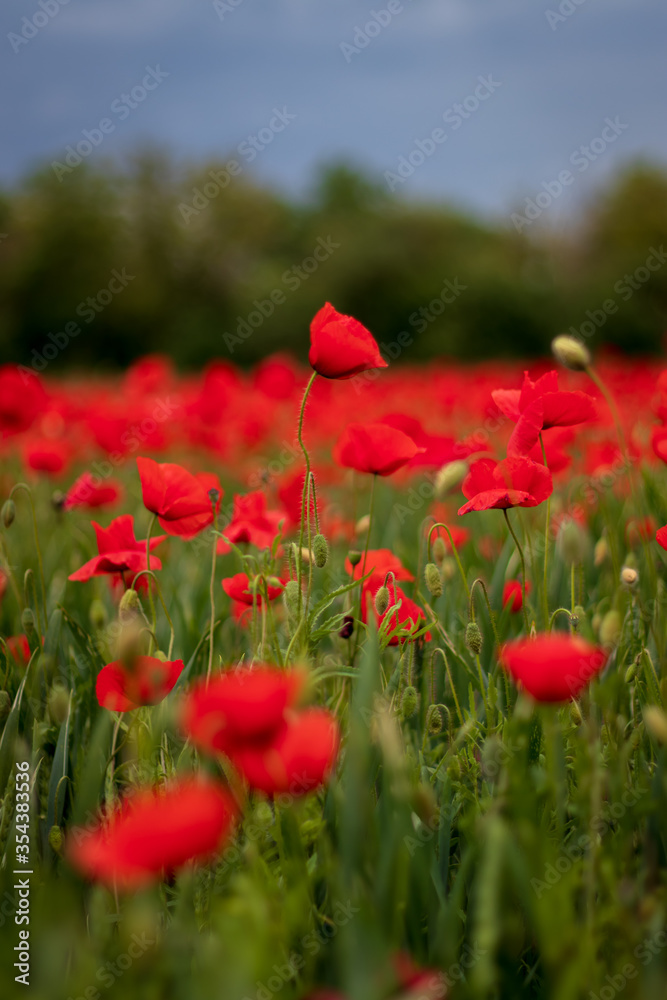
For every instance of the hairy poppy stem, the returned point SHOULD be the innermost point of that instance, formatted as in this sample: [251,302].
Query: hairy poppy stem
[545,584]
[304,493]
[523,567]
[212,594]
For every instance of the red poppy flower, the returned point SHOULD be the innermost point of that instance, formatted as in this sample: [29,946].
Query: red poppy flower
[241,705]
[251,522]
[375,448]
[661,537]
[513,595]
[552,667]
[297,760]
[92,491]
[427,984]
[121,687]
[155,832]
[19,648]
[409,616]
[248,715]
[238,588]
[659,442]
[22,399]
[340,346]
[119,551]
[560,408]
[379,562]
[179,499]
[50,455]
[514,482]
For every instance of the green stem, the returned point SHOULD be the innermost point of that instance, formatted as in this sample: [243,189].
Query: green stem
[523,567]
[148,566]
[304,492]
[24,486]
[212,595]
[471,608]
[455,552]
[545,583]
[363,565]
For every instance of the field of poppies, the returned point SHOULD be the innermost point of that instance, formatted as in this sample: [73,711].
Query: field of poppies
[337,683]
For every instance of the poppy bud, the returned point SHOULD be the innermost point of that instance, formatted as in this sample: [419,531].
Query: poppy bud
[571,352]
[434,720]
[439,550]
[56,839]
[129,607]
[159,655]
[601,551]
[473,638]
[610,628]
[97,614]
[58,704]
[5,704]
[58,500]
[656,722]
[291,598]
[409,702]
[361,527]
[8,512]
[28,622]
[631,672]
[348,627]
[214,495]
[382,600]
[572,542]
[629,577]
[354,556]
[432,578]
[449,476]
[448,569]
[575,713]
[320,551]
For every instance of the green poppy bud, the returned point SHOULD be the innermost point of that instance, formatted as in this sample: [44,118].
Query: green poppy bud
[439,550]
[97,614]
[5,704]
[432,578]
[291,598]
[56,839]
[354,556]
[382,600]
[320,551]
[409,702]
[129,607]
[8,512]
[434,720]
[570,352]
[473,638]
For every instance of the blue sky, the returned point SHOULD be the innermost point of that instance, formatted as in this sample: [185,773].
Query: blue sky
[554,87]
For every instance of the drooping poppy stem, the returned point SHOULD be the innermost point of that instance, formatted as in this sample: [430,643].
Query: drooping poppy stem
[455,552]
[523,567]
[547,525]
[305,491]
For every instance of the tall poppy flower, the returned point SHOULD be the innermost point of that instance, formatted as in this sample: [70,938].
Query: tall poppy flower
[379,562]
[374,448]
[119,551]
[409,616]
[251,522]
[179,499]
[147,680]
[514,482]
[340,346]
[552,667]
[155,832]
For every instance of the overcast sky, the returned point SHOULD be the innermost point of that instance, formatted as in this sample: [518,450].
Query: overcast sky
[551,85]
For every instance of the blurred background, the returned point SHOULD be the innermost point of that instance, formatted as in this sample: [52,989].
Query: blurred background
[197,177]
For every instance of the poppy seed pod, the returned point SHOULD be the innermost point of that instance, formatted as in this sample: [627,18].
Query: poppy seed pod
[382,600]
[354,556]
[409,702]
[473,638]
[129,607]
[8,513]
[432,578]
[571,353]
[320,550]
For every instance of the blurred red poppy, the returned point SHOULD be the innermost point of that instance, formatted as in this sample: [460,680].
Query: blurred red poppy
[119,551]
[341,347]
[514,482]
[409,616]
[251,522]
[154,832]
[559,408]
[513,595]
[179,499]
[552,667]
[374,448]
[92,491]
[239,589]
[122,687]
